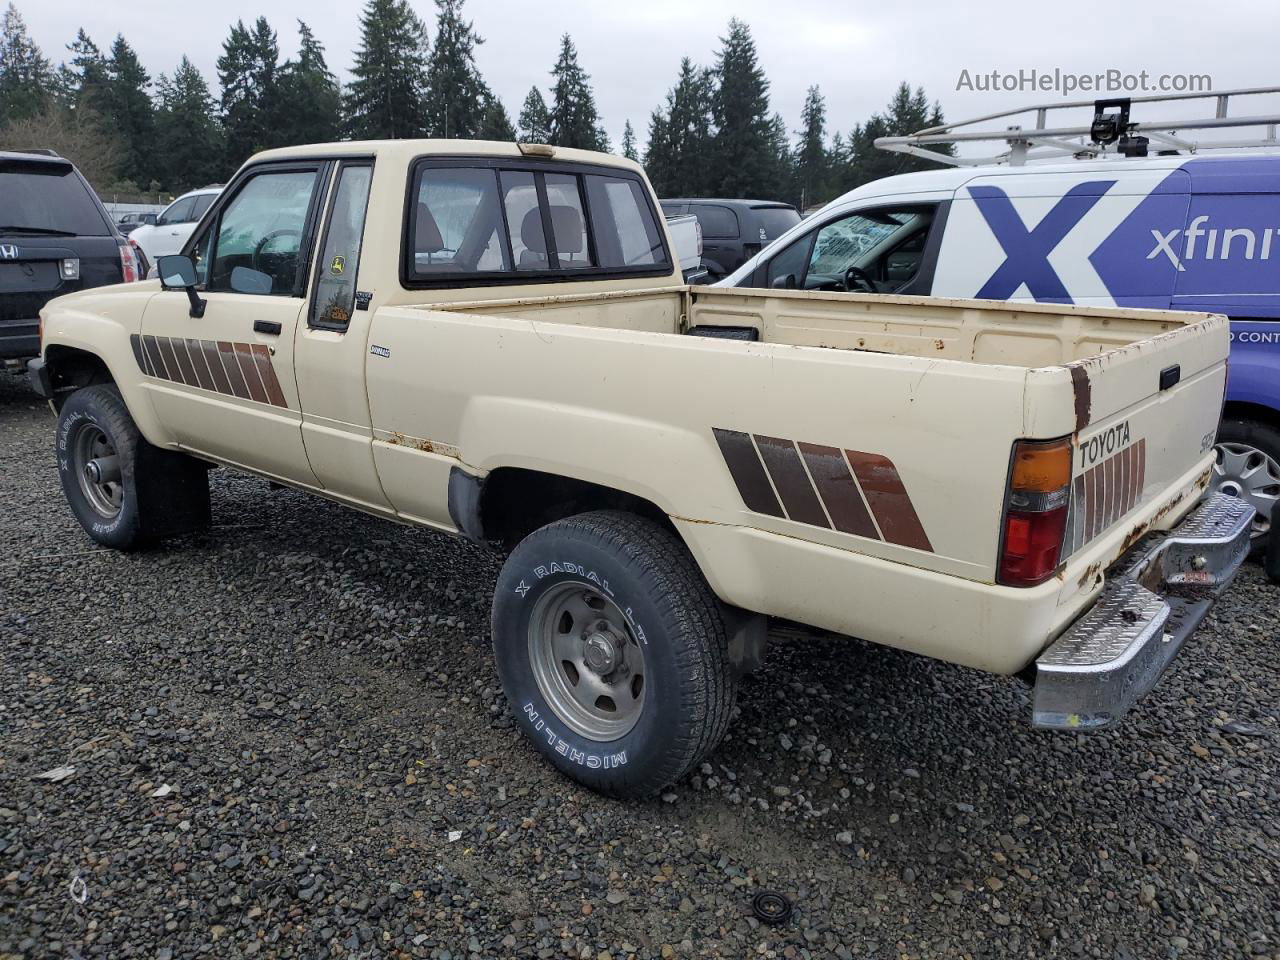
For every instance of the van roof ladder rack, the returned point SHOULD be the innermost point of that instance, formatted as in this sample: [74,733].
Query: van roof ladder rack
[1111,125]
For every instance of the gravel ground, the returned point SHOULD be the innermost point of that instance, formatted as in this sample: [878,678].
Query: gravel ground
[288,740]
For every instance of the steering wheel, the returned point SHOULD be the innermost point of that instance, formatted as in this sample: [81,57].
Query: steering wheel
[259,250]
[857,280]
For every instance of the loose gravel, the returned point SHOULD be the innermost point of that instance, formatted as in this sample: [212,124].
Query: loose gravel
[285,738]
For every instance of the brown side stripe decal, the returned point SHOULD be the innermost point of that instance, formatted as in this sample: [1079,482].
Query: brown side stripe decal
[789,477]
[888,499]
[838,490]
[747,471]
[241,370]
[1106,492]
[823,487]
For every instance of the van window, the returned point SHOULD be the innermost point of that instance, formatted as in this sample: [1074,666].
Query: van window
[178,212]
[773,222]
[880,249]
[717,222]
[38,195]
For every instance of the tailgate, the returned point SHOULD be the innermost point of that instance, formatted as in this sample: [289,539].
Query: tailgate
[1144,417]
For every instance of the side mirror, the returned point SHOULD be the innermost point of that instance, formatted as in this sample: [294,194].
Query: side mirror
[179,273]
[785,282]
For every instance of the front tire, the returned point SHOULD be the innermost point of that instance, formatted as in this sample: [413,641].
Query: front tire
[1248,466]
[612,652]
[125,492]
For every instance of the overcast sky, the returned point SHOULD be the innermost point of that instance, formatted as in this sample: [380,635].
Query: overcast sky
[856,52]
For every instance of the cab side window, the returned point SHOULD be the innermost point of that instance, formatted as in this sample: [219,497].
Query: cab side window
[257,246]
[340,256]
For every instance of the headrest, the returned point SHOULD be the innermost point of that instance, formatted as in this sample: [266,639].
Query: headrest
[427,237]
[565,221]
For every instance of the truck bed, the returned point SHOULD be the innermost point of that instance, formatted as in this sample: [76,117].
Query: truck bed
[989,332]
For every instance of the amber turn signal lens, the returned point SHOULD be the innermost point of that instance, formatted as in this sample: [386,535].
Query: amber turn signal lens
[1041,466]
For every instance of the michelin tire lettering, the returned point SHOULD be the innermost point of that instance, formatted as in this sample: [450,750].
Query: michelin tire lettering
[584,758]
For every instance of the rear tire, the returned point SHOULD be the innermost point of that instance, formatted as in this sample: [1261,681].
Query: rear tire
[1248,466]
[125,492]
[612,652]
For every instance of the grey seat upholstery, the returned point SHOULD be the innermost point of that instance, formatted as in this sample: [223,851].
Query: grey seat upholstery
[567,224]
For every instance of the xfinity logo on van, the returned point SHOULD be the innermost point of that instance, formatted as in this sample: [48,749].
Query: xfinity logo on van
[1249,243]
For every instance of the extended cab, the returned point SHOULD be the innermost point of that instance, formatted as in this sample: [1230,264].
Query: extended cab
[492,340]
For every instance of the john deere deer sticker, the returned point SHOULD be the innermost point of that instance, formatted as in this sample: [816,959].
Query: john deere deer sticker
[338,266]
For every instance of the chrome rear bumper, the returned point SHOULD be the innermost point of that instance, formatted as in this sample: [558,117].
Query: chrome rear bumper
[1156,595]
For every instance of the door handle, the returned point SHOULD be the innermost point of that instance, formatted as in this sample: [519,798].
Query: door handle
[267,326]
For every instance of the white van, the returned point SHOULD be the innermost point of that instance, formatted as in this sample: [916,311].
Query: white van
[1130,214]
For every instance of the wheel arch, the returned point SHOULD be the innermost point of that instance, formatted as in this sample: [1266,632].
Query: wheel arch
[1245,410]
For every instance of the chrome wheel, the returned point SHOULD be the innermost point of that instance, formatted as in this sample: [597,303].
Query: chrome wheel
[1245,471]
[96,465]
[586,661]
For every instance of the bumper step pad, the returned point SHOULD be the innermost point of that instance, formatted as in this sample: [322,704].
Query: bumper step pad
[1156,595]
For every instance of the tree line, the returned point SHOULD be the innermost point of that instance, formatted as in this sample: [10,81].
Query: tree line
[715,134]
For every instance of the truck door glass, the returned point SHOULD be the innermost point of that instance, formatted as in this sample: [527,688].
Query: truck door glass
[260,232]
[336,285]
[520,197]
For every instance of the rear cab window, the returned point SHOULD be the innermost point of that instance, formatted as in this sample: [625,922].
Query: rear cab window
[41,196]
[509,221]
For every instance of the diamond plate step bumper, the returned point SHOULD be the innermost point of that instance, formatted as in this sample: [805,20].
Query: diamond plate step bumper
[1156,595]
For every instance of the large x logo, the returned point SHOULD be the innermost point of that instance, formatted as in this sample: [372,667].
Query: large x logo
[1027,251]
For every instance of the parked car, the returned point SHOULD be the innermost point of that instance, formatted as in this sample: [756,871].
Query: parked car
[492,340]
[55,238]
[172,228]
[1170,232]
[132,221]
[733,230]
[686,242]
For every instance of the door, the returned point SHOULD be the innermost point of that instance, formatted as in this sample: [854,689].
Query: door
[222,383]
[331,350]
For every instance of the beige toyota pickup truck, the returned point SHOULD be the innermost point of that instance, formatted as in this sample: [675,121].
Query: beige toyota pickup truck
[492,340]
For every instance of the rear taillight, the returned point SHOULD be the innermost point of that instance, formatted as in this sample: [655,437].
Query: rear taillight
[128,263]
[1035,513]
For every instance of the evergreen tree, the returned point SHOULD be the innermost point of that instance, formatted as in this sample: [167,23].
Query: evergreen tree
[128,110]
[247,72]
[574,120]
[535,119]
[459,97]
[812,162]
[629,142]
[80,83]
[657,156]
[744,156]
[26,79]
[189,144]
[495,123]
[687,137]
[906,113]
[387,97]
[309,95]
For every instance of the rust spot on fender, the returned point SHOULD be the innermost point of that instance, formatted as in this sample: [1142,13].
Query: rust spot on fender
[1083,394]
[1090,572]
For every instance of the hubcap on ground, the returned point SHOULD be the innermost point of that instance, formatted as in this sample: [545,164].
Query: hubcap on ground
[1248,473]
[586,662]
[93,457]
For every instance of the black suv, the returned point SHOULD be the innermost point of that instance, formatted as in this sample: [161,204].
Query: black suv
[55,238]
[733,231]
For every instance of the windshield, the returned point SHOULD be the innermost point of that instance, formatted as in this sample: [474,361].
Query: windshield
[47,197]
